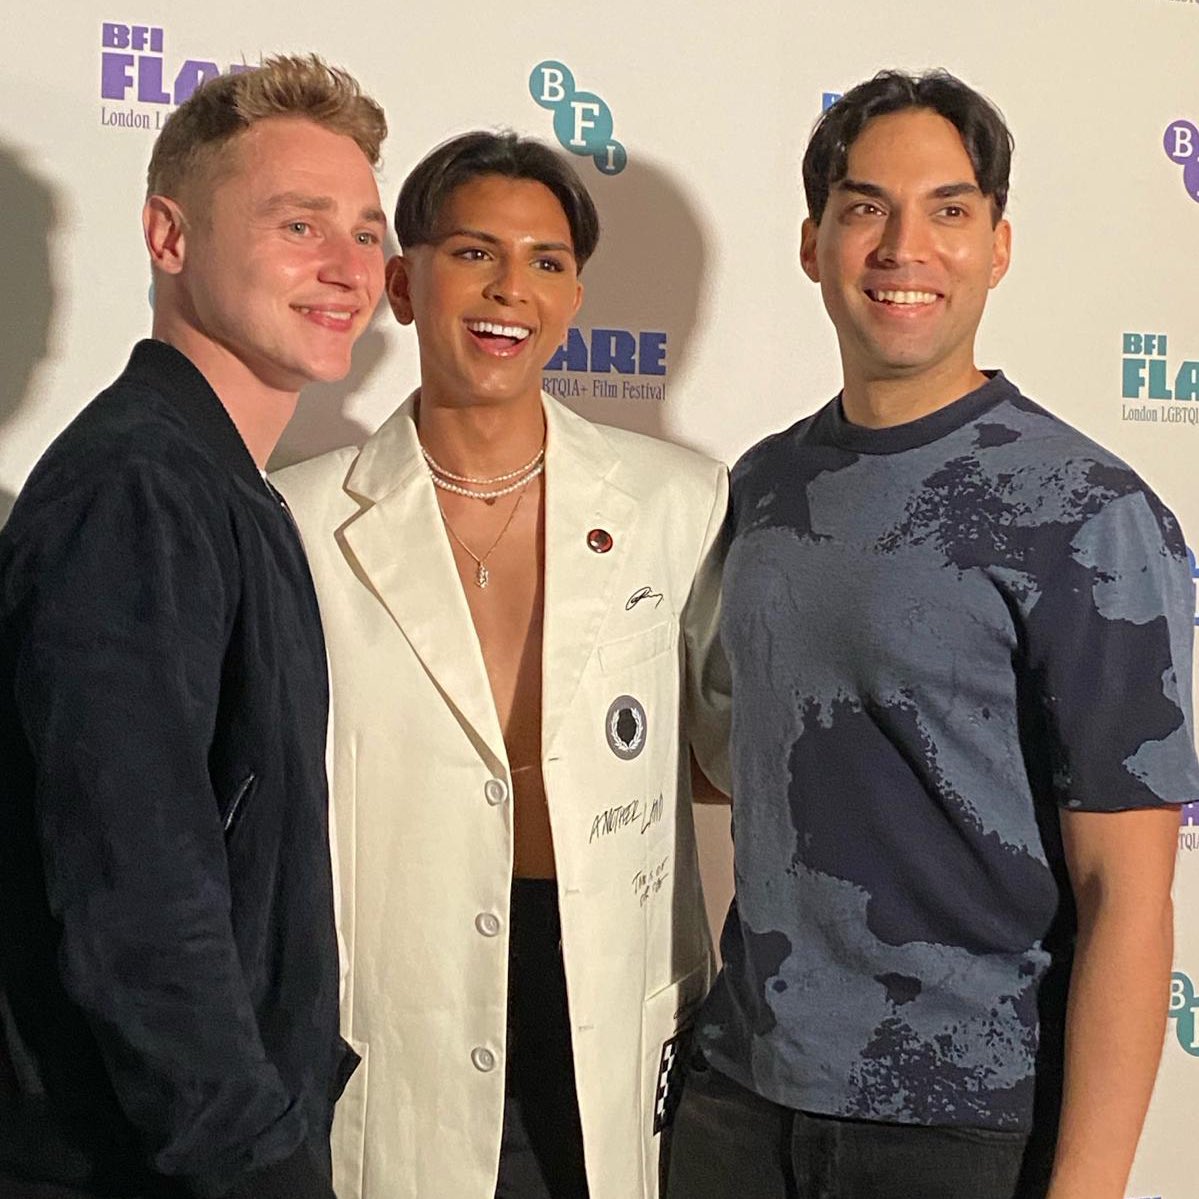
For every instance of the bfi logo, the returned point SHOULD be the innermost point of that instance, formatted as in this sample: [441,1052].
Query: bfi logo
[582,121]
[1145,371]
[1182,1011]
[132,66]
[1181,143]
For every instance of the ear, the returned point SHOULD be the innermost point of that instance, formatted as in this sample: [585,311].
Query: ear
[164,228]
[1001,252]
[399,295]
[578,298]
[807,249]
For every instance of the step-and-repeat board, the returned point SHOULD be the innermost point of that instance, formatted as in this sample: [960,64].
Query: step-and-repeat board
[689,123]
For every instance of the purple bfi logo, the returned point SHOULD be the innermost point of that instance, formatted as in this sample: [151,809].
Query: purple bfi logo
[1181,143]
[132,67]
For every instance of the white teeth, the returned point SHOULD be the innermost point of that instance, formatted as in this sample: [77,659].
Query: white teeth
[335,313]
[905,297]
[519,332]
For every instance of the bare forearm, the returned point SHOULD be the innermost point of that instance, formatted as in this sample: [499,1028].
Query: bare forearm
[1114,1031]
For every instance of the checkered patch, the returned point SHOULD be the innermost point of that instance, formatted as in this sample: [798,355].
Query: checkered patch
[670,1079]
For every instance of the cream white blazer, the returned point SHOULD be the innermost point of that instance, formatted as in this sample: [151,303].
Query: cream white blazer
[421,796]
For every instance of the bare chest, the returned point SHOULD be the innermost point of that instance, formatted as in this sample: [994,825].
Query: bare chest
[499,552]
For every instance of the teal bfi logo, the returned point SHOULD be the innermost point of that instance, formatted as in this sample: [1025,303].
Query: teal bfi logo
[1148,375]
[582,121]
[828,99]
[1183,1003]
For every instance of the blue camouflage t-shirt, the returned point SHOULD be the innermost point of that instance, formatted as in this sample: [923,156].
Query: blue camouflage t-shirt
[939,633]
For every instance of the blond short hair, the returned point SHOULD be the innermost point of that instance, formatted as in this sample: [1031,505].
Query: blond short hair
[193,142]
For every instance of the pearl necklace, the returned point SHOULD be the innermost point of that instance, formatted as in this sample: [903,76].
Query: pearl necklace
[446,485]
[442,477]
[445,474]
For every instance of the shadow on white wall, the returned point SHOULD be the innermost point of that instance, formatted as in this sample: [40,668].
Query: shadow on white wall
[27,303]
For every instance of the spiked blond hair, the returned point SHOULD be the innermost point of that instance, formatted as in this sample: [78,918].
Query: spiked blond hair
[192,147]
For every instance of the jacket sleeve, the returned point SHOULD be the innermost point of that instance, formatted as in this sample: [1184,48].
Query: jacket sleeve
[708,683]
[130,591]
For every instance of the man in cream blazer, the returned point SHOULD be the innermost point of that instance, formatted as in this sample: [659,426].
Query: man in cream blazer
[523,662]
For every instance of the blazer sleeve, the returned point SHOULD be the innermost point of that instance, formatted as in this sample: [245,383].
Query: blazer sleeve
[129,594]
[708,682]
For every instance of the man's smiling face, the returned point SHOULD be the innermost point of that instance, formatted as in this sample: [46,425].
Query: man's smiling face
[285,259]
[492,295]
[906,251]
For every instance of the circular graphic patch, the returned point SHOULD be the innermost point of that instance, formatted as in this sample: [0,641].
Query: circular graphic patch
[625,727]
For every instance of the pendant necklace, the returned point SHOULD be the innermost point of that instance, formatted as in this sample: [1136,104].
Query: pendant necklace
[482,574]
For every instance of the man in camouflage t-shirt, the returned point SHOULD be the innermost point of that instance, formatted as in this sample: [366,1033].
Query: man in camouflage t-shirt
[960,640]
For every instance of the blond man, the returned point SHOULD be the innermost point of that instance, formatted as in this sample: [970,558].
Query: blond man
[168,964]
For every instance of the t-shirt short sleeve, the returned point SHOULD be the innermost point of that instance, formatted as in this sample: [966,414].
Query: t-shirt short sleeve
[1108,661]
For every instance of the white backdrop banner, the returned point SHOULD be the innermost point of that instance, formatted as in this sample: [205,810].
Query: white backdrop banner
[689,123]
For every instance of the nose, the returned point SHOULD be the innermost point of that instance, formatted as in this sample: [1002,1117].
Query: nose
[905,238]
[350,263]
[505,283]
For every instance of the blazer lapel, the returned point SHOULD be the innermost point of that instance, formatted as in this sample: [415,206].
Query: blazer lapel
[579,497]
[400,547]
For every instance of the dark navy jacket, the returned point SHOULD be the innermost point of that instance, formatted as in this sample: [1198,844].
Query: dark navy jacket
[168,961]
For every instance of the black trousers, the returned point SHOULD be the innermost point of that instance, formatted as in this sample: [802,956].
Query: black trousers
[730,1143]
[14,1188]
[541,1152]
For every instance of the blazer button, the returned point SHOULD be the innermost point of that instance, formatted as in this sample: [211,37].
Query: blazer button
[482,1059]
[487,923]
[495,791]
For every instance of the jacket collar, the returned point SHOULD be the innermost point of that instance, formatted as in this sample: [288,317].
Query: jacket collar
[400,543]
[162,367]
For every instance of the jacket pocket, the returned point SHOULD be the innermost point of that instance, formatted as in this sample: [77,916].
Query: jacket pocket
[237,802]
[666,1020]
[349,1128]
[637,647]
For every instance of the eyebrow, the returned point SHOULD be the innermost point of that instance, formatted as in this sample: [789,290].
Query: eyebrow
[285,200]
[490,239]
[947,191]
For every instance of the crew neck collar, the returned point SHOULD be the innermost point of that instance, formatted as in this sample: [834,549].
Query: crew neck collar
[922,431]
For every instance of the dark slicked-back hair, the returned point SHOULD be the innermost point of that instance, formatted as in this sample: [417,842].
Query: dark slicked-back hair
[983,130]
[472,155]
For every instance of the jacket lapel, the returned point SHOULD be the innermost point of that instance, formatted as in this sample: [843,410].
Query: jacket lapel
[400,546]
[579,582]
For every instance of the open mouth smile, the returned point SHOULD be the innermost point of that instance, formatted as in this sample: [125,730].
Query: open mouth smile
[904,299]
[330,318]
[501,340]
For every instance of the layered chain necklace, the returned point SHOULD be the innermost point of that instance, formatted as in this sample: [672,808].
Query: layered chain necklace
[513,480]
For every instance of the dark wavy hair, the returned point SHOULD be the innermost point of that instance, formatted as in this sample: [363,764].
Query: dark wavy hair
[472,155]
[984,132]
